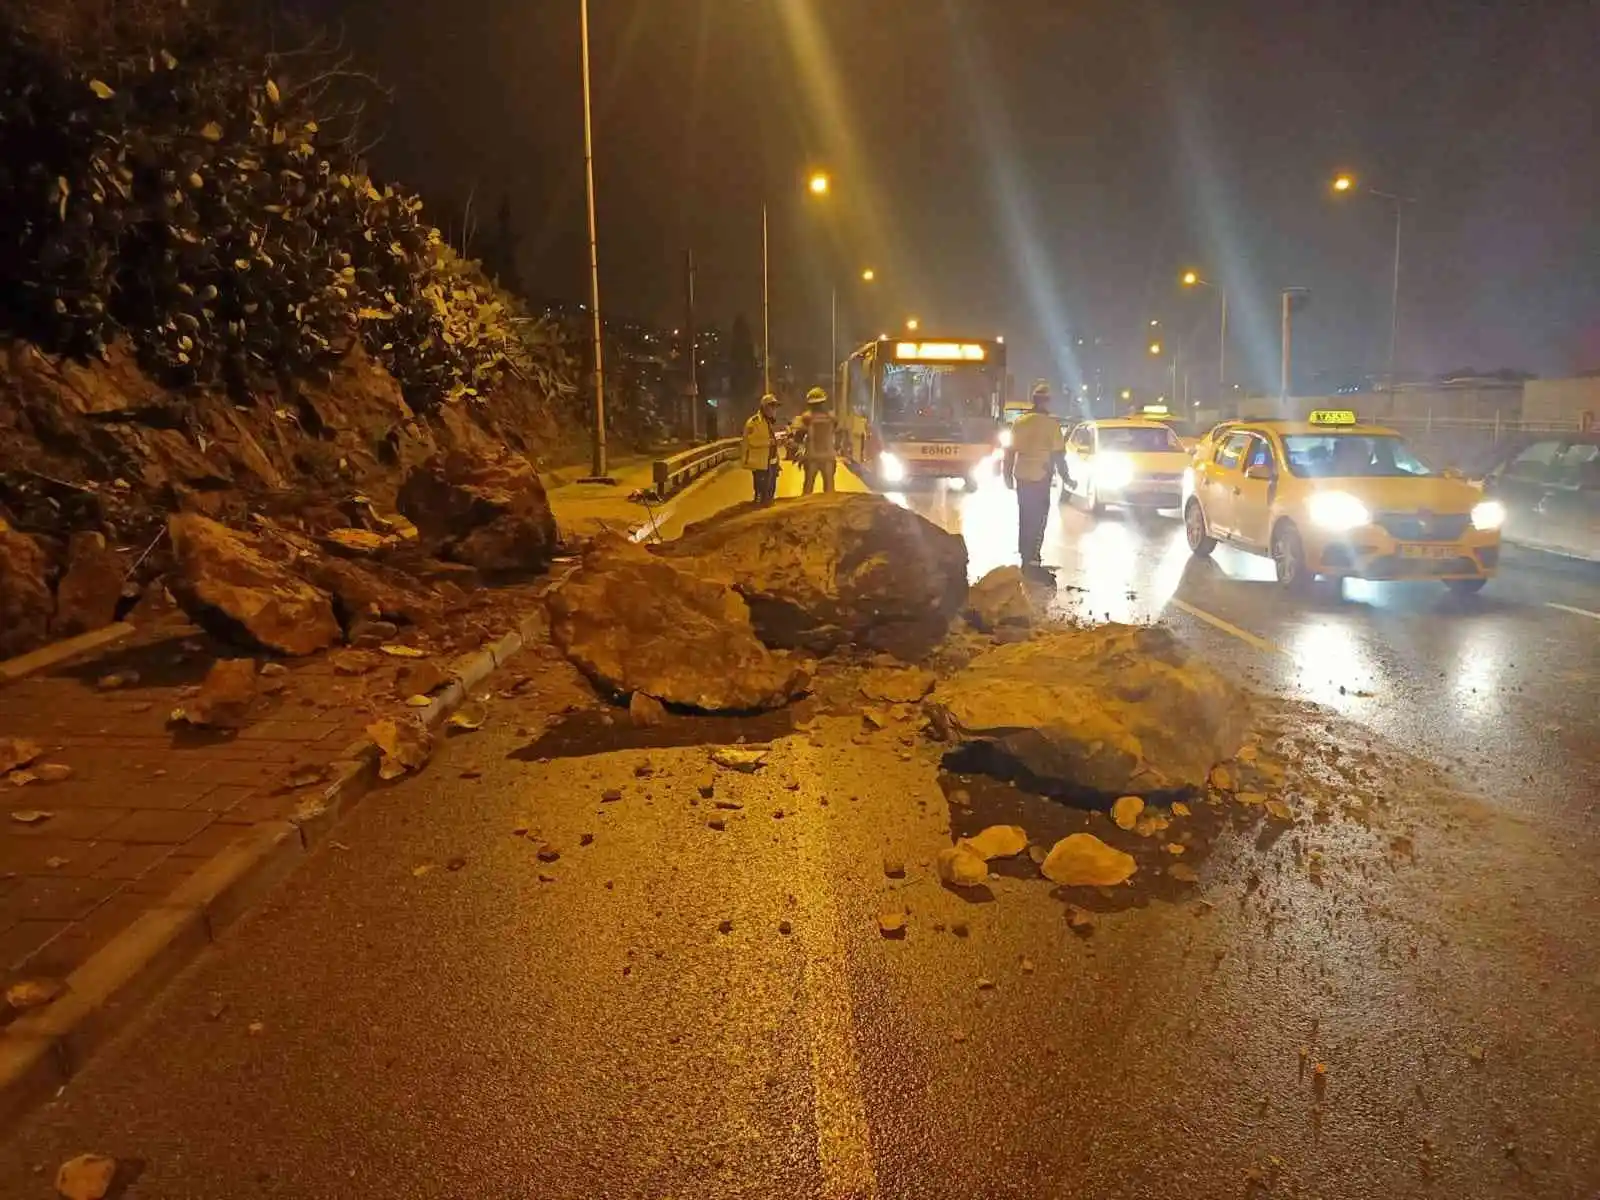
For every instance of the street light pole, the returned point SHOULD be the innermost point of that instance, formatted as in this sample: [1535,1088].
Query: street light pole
[1394,298]
[766,311]
[1193,279]
[1347,183]
[598,463]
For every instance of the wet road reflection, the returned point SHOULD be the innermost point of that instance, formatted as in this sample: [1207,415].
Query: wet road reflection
[1502,686]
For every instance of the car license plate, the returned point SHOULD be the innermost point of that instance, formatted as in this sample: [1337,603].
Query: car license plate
[1429,552]
[933,451]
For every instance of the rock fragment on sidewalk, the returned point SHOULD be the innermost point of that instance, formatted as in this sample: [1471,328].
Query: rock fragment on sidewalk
[226,583]
[33,993]
[737,758]
[17,752]
[1083,860]
[227,696]
[487,511]
[892,923]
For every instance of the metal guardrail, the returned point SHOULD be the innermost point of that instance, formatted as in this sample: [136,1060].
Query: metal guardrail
[673,474]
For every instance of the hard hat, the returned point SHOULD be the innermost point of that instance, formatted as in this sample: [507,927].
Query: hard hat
[816,396]
[1041,387]
[769,398]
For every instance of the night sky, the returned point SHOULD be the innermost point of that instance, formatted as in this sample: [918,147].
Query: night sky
[1036,168]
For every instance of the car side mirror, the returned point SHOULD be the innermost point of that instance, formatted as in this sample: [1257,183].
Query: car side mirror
[1260,471]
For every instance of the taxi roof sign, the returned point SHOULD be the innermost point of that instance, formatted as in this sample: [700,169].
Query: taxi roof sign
[1332,416]
[1156,410]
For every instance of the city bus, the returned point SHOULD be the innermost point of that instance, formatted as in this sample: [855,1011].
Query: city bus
[931,407]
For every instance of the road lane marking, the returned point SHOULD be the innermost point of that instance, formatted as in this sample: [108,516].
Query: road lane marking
[844,1142]
[1244,635]
[1579,612]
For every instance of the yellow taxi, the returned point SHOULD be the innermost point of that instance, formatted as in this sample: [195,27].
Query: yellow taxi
[1132,462]
[1330,496]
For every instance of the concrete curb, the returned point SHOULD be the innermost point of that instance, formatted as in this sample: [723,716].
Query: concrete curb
[59,652]
[42,1051]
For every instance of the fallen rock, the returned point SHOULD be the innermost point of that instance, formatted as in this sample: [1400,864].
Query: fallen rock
[1114,710]
[487,512]
[91,588]
[26,604]
[227,695]
[1125,812]
[404,746]
[836,570]
[645,712]
[999,601]
[892,924]
[997,841]
[636,622]
[86,1177]
[1083,860]
[51,772]
[961,866]
[226,584]
[357,543]
[33,993]
[420,678]
[906,685]
[371,593]
[17,752]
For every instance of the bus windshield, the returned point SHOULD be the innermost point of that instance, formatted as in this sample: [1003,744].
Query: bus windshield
[949,401]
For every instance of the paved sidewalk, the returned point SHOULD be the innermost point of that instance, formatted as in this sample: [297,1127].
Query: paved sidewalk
[146,804]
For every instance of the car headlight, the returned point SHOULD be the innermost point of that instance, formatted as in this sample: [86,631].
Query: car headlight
[891,468]
[1113,471]
[1005,439]
[1491,514]
[1338,512]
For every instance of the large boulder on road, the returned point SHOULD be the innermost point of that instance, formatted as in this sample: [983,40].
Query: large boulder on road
[635,622]
[826,571]
[26,604]
[1000,601]
[1112,711]
[227,584]
[488,512]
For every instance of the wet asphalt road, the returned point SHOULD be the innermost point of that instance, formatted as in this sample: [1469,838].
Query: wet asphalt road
[1504,687]
[669,1009]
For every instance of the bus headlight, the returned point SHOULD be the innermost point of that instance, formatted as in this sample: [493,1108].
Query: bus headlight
[1005,439]
[1491,514]
[1338,512]
[1112,471]
[891,468]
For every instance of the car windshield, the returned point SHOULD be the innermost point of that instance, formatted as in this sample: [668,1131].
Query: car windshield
[1139,439]
[1352,456]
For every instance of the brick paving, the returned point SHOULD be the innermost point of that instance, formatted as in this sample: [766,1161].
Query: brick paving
[147,804]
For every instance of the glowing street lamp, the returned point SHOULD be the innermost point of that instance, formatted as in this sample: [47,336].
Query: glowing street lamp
[1344,185]
[913,324]
[1127,393]
[820,184]
[1193,279]
[868,275]
[1155,347]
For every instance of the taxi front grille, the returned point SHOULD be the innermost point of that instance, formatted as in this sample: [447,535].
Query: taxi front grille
[1424,527]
